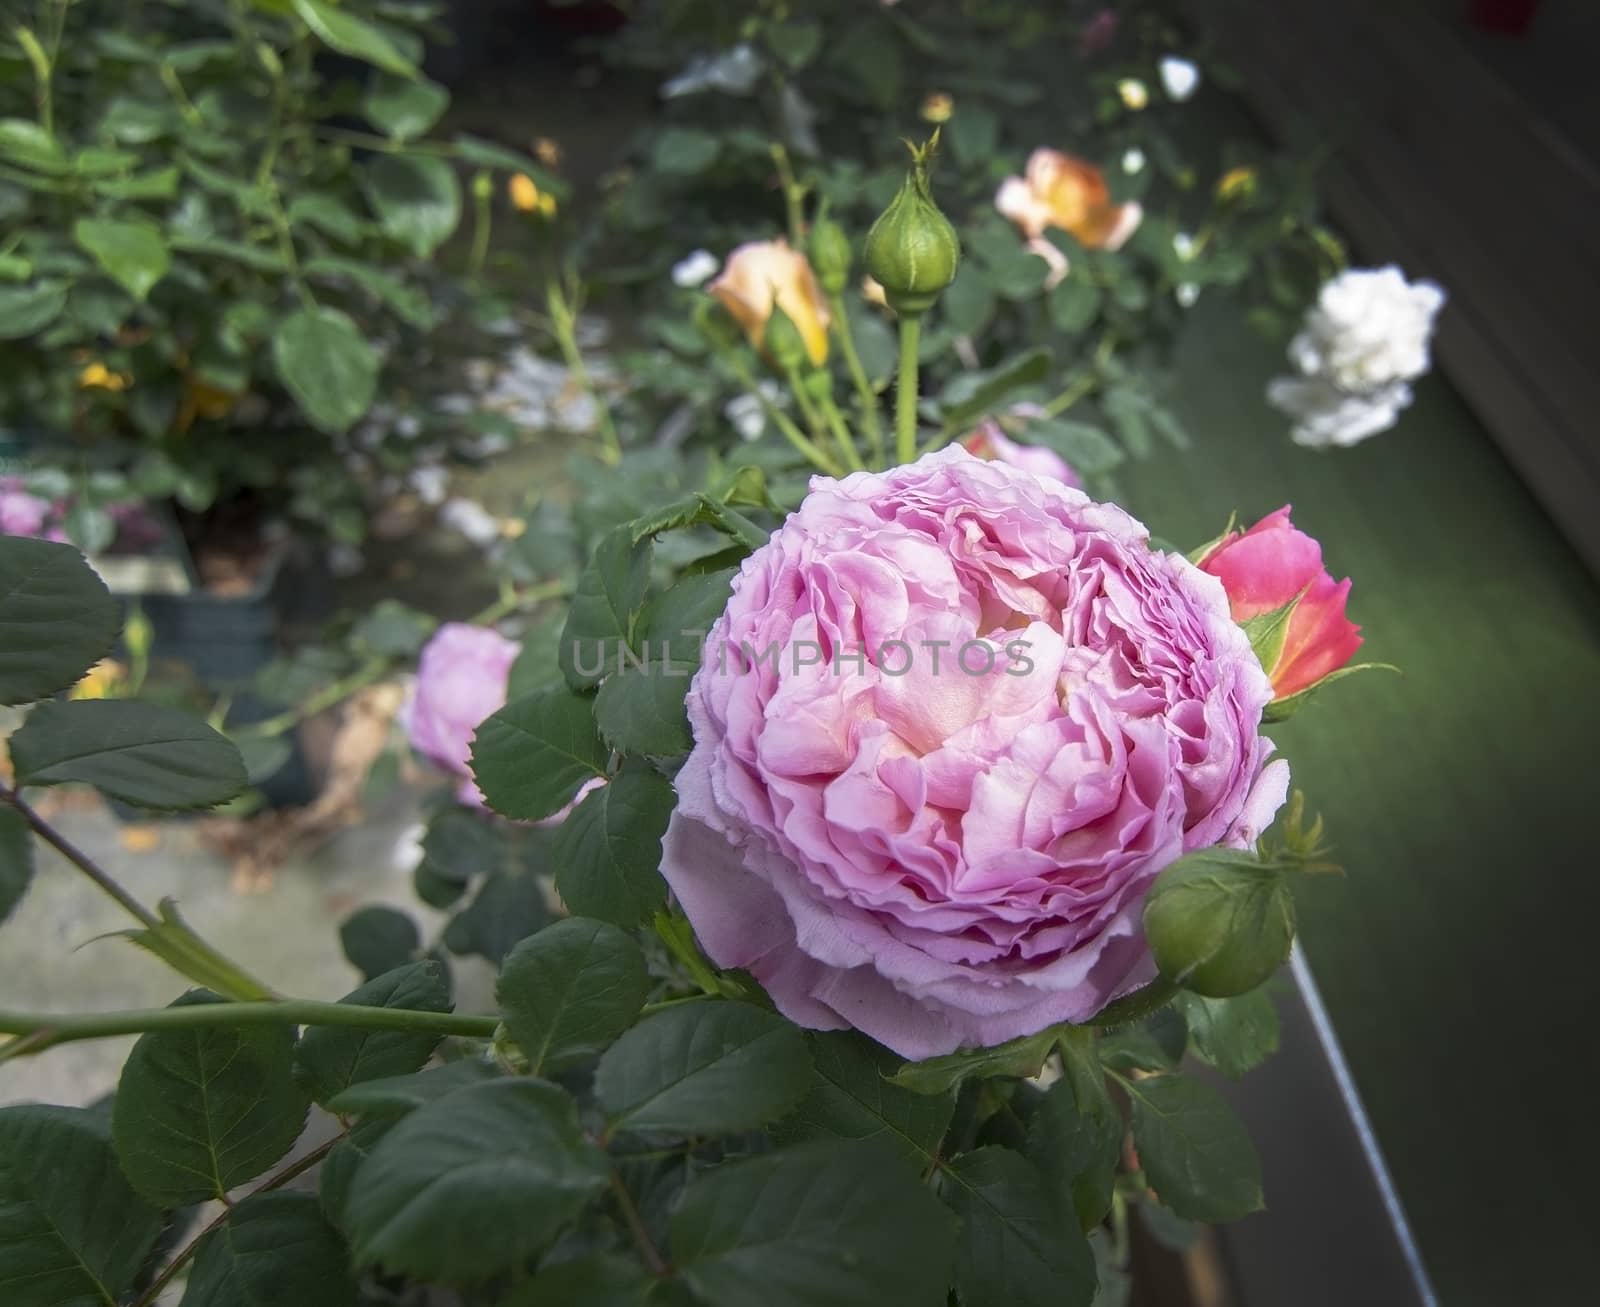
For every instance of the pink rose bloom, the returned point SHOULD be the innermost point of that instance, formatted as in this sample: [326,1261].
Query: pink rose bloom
[1263,569]
[21,514]
[990,442]
[461,680]
[995,714]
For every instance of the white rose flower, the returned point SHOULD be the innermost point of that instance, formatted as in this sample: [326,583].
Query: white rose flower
[1370,327]
[1133,161]
[1179,78]
[695,269]
[1327,416]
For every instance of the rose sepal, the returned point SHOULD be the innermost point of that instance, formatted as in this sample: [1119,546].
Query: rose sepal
[1280,710]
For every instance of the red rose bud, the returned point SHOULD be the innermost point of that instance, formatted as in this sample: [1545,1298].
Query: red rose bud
[1279,591]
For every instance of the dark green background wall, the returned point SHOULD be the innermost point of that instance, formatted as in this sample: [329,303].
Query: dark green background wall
[1457,956]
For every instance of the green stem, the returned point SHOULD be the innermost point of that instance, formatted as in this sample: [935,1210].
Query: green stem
[370,671]
[802,444]
[46,1030]
[793,196]
[482,224]
[78,859]
[858,376]
[1071,395]
[841,433]
[906,394]
[564,317]
[293,1171]
[808,406]
[636,1227]
[1137,1005]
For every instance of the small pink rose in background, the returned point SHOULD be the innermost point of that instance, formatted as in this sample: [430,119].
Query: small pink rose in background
[462,677]
[940,830]
[990,442]
[22,514]
[1266,567]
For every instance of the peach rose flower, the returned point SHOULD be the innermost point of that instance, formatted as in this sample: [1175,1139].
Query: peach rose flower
[759,273]
[1057,190]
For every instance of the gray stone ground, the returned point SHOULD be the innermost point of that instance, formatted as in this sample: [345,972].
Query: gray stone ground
[53,959]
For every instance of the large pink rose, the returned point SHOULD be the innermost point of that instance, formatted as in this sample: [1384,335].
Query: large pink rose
[461,680]
[946,841]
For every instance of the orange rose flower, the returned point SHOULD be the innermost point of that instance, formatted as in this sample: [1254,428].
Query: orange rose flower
[761,273]
[1060,191]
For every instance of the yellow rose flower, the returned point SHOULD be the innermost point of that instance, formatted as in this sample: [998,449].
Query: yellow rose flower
[524,192]
[937,107]
[547,151]
[1135,94]
[759,273]
[97,376]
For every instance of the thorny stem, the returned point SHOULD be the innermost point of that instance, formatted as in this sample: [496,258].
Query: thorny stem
[78,859]
[641,1236]
[41,1030]
[906,394]
[858,376]
[184,1257]
[564,317]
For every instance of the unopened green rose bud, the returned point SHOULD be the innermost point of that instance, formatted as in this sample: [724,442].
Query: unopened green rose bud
[783,342]
[912,250]
[831,255]
[1219,922]
[482,186]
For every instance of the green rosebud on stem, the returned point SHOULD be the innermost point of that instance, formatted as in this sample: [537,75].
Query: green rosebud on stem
[784,344]
[831,255]
[1220,922]
[912,250]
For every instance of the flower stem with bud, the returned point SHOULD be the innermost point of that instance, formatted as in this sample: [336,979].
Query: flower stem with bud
[906,390]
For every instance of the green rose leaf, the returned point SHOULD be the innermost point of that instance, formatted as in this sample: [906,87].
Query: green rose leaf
[851,1097]
[73,1233]
[566,993]
[56,618]
[676,620]
[824,1222]
[1196,1153]
[131,252]
[379,939]
[340,1167]
[1018,1247]
[146,755]
[1086,447]
[474,1183]
[972,395]
[532,756]
[25,142]
[200,1111]
[1076,1144]
[703,1069]
[16,860]
[1024,1056]
[642,711]
[608,851]
[415,198]
[685,151]
[341,30]
[327,366]
[412,305]
[1075,303]
[592,1280]
[508,907]
[27,309]
[1234,1035]
[403,108]
[274,1248]
[329,1059]
[609,596]
[397,1095]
